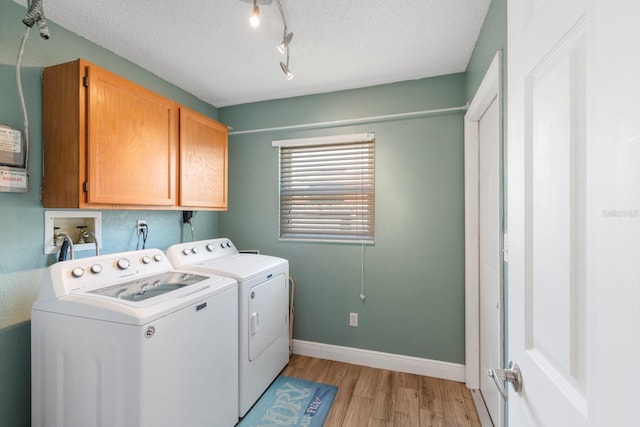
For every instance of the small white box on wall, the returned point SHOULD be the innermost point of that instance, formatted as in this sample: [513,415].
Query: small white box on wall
[73,224]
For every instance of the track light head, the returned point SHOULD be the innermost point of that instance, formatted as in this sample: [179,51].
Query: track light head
[255,15]
[282,47]
[286,71]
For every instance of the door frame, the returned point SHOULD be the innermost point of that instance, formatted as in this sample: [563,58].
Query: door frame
[490,88]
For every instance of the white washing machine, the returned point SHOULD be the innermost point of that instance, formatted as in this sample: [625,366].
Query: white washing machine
[126,340]
[263,283]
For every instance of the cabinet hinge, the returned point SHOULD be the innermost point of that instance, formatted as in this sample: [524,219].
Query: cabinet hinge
[85,186]
[85,81]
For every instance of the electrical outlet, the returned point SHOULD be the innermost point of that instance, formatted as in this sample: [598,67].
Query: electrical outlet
[140,224]
[353,319]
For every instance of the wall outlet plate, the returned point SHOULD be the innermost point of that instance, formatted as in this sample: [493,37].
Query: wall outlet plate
[353,319]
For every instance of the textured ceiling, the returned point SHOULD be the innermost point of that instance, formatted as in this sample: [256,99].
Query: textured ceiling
[207,47]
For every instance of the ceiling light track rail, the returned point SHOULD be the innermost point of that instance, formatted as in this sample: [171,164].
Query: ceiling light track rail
[361,120]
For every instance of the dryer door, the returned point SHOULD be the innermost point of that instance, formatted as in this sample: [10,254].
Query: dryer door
[268,314]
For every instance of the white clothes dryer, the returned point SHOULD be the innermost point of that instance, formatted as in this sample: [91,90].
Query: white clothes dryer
[263,289]
[126,340]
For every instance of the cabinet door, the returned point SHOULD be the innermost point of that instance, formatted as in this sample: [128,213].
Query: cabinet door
[131,143]
[203,161]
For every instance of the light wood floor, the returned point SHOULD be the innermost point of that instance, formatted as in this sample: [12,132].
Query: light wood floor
[371,397]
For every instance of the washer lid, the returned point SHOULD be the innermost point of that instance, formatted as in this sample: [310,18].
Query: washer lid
[172,293]
[241,267]
[150,286]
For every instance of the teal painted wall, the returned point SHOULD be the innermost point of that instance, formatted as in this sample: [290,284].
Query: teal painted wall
[492,38]
[22,215]
[414,274]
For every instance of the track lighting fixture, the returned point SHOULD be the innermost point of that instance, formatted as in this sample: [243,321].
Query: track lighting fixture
[285,69]
[283,47]
[255,15]
[286,39]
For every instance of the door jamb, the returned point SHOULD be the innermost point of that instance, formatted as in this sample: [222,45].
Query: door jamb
[489,89]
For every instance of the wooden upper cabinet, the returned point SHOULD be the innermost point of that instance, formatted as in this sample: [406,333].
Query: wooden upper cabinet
[108,143]
[203,161]
[131,143]
[112,144]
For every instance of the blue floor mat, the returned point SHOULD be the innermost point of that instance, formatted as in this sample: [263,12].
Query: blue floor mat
[292,402]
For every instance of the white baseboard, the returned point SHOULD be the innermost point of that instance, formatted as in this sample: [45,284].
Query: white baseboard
[376,359]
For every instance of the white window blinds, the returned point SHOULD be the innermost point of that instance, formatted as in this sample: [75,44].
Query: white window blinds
[327,188]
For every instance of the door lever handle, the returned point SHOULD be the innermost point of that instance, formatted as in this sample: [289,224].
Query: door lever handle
[511,375]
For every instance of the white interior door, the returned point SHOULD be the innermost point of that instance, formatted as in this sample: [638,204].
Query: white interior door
[546,210]
[613,205]
[573,211]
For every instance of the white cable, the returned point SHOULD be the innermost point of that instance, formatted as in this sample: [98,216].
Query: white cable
[193,236]
[362,294]
[22,103]
[292,290]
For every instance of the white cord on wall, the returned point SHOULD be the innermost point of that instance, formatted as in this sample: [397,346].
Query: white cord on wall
[362,294]
[362,242]
[22,103]
[35,15]
[193,236]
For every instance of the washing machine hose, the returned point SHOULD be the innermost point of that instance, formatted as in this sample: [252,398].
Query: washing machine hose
[64,249]
[292,289]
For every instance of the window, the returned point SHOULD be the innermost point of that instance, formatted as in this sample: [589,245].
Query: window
[327,188]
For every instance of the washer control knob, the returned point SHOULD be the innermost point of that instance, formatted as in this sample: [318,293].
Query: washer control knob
[228,244]
[194,250]
[123,263]
[96,268]
[146,259]
[77,272]
[222,245]
[186,251]
[157,257]
[210,247]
